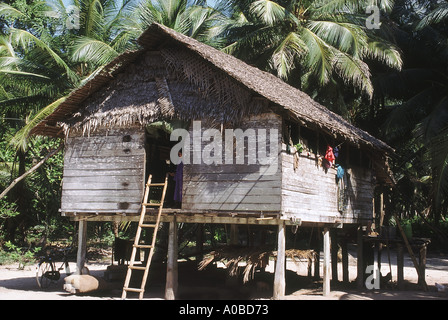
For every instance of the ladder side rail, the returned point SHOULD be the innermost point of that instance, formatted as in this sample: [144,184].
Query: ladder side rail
[136,240]
[154,237]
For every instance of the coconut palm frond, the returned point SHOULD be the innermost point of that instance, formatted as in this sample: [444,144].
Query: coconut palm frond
[344,36]
[206,24]
[267,11]
[6,48]
[384,5]
[171,12]
[437,15]
[286,52]
[10,12]
[350,6]
[148,13]
[87,50]
[355,71]
[92,18]
[19,140]
[22,73]
[319,57]
[26,40]
[384,52]
[253,37]
[332,6]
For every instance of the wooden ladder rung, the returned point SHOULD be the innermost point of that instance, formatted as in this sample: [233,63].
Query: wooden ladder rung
[144,225]
[133,289]
[152,204]
[143,246]
[155,184]
[137,268]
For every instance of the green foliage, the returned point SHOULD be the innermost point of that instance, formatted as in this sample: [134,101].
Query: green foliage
[312,44]
[192,18]
[7,210]
[412,109]
[15,254]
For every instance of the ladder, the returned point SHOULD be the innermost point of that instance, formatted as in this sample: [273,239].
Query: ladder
[138,245]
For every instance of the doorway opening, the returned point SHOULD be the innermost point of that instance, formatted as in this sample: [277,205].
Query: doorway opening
[158,163]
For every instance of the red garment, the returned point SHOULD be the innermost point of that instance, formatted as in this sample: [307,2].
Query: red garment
[329,156]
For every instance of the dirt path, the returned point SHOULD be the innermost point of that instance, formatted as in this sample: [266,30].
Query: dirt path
[18,284]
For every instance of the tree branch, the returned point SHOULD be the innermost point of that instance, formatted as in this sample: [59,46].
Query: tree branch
[34,168]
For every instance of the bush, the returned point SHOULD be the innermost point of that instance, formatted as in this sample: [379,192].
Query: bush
[14,254]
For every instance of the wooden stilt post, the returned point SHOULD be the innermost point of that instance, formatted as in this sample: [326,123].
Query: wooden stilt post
[345,266]
[334,255]
[422,265]
[171,268]
[316,247]
[326,267]
[280,266]
[234,235]
[400,265]
[360,260]
[199,242]
[82,246]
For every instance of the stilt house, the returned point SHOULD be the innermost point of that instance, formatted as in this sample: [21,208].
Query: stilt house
[257,149]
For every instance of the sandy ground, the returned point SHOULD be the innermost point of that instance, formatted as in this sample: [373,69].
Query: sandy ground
[18,284]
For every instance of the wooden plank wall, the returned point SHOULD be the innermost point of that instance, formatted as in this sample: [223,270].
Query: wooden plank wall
[104,172]
[235,187]
[311,194]
[360,191]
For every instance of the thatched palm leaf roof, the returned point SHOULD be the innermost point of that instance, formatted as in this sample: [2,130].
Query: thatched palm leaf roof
[229,89]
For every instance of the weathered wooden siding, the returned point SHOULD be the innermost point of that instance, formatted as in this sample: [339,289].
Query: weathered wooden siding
[235,187]
[104,172]
[311,194]
[360,193]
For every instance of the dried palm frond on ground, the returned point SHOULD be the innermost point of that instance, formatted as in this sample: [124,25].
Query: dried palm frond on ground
[253,257]
[296,255]
[232,256]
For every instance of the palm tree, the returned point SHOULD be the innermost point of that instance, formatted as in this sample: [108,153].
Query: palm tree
[47,57]
[319,46]
[34,71]
[415,109]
